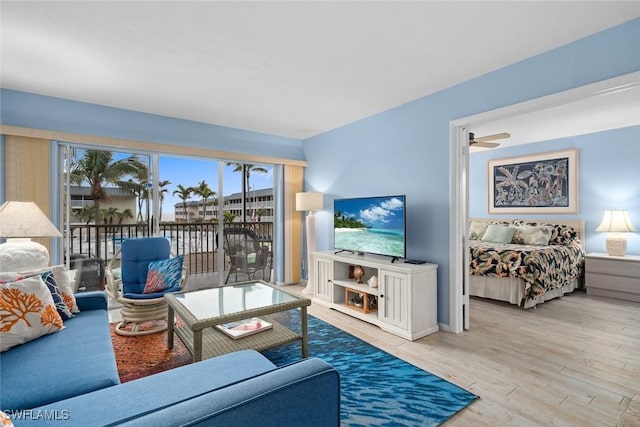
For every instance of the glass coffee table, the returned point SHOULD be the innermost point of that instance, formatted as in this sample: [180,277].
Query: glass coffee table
[201,310]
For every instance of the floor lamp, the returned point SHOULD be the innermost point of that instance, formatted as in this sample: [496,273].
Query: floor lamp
[309,202]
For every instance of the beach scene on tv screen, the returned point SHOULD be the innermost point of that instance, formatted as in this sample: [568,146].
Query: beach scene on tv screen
[374,225]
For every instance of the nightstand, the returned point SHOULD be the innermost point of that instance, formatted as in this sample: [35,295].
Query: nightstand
[613,276]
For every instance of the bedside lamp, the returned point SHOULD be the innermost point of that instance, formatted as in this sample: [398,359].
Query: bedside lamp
[19,222]
[309,202]
[615,222]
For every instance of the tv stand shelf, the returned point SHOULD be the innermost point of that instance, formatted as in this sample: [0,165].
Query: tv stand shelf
[406,293]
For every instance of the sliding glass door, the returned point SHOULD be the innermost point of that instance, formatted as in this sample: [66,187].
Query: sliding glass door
[112,195]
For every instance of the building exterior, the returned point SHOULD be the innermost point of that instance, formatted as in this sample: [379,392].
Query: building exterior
[118,198]
[259,207]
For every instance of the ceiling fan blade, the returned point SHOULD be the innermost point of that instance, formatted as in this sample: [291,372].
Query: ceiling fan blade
[493,137]
[485,144]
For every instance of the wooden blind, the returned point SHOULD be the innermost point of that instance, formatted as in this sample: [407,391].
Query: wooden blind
[293,183]
[27,173]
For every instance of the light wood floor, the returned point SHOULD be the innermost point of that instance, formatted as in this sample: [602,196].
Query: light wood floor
[573,361]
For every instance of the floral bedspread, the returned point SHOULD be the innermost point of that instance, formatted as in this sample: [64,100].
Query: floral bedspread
[542,267]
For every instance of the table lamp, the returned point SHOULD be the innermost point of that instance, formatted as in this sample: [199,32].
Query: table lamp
[19,222]
[616,223]
[309,201]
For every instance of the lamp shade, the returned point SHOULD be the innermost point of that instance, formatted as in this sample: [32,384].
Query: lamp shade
[25,220]
[616,222]
[308,201]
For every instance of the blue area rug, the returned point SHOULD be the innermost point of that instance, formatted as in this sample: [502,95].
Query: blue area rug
[377,389]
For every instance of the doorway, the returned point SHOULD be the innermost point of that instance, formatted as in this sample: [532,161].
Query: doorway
[459,164]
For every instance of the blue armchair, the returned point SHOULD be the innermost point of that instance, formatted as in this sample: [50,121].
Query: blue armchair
[147,273]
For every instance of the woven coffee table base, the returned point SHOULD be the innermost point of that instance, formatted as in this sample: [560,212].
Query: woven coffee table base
[204,340]
[215,343]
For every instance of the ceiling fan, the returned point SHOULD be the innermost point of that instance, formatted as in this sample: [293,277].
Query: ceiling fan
[484,141]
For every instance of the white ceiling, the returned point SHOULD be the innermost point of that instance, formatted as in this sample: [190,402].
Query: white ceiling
[612,109]
[293,69]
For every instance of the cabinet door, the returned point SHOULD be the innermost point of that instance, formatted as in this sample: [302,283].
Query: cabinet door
[323,284]
[393,301]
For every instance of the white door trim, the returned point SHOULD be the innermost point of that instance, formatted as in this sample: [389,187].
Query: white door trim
[459,153]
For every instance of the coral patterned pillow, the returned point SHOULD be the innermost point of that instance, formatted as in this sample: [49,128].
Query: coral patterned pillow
[27,310]
[5,421]
[163,275]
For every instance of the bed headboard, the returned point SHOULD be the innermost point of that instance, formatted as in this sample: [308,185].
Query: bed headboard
[576,224]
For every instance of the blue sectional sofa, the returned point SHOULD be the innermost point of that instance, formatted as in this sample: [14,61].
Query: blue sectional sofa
[76,360]
[81,386]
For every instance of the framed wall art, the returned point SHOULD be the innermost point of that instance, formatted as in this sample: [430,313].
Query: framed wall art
[539,183]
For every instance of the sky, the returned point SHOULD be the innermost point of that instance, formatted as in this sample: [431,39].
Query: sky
[375,212]
[189,172]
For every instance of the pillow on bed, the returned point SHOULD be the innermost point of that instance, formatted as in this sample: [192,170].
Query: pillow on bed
[477,229]
[562,234]
[532,235]
[498,234]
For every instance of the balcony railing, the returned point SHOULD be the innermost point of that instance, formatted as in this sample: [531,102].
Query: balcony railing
[196,241]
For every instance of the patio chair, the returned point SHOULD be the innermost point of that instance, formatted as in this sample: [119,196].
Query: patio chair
[247,256]
[90,273]
[147,273]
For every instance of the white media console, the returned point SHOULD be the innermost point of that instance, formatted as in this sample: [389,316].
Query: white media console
[404,303]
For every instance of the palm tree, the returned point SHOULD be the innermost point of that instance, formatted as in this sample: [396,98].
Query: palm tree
[246,170]
[260,213]
[109,214]
[509,184]
[86,213]
[205,192]
[124,214]
[139,187]
[229,217]
[162,190]
[342,221]
[184,193]
[98,169]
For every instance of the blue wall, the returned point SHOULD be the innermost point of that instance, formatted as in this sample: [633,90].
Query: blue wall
[609,178]
[45,112]
[406,150]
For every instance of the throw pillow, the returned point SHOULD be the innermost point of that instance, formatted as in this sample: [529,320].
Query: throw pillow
[562,234]
[477,229]
[498,234]
[163,275]
[27,310]
[532,235]
[58,301]
[5,421]
[61,274]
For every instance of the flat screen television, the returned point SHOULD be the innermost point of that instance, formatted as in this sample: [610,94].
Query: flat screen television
[374,225]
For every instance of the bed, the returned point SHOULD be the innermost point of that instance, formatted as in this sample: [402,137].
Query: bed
[525,262]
